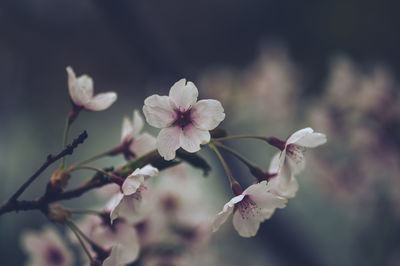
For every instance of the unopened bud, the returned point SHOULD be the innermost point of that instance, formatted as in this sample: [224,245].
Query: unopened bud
[59,179]
[57,213]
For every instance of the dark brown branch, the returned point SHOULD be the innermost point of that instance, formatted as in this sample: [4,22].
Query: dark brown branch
[50,160]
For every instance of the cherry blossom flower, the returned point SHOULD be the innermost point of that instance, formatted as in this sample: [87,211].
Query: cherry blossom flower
[253,206]
[128,203]
[284,183]
[292,155]
[138,143]
[46,248]
[184,122]
[81,93]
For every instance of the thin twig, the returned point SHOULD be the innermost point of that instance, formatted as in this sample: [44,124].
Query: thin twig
[50,160]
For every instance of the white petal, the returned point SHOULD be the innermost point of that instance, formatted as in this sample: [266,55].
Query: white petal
[146,171]
[137,122]
[128,208]
[207,114]
[113,259]
[126,129]
[298,135]
[168,141]
[247,226]
[129,249]
[143,143]
[274,164]
[132,184]
[101,101]
[114,206]
[183,94]
[312,140]
[159,111]
[226,211]
[260,195]
[294,159]
[192,137]
[80,89]
[284,187]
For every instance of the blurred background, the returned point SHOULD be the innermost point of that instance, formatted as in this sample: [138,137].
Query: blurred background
[276,66]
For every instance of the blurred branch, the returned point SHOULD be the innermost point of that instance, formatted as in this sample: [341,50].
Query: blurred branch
[50,160]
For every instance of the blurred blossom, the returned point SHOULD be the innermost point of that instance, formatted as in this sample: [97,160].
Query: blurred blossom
[46,248]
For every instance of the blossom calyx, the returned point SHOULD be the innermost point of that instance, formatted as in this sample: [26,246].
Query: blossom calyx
[59,179]
[57,213]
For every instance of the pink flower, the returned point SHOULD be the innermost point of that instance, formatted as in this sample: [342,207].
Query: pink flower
[46,248]
[81,93]
[253,206]
[292,155]
[128,203]
[184,122]
[139,143]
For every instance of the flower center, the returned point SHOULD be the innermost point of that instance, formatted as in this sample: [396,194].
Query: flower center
[248,208]
[295,152]
[54,256]
[183,118]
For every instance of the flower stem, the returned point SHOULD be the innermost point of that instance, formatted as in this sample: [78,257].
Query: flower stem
[236,154]
[91,159]
[242,137]
[65,138]
[78,233]
[112,176]
[232,180]
[82,211]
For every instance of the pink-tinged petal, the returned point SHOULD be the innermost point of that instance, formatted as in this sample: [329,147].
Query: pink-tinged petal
[192,137]
[147,171]
[126,235]
[114,205]
[294,159]
[113,259]
[138,123]
[80,89]
[132,184]
[245,225]
[260,195]
[128,208]
[143,143]
[101,101]
[183,94]
[223,215]
[312,140]
[207,114]
[126,129]
[159,111]
[298,135]
[168,141]
[274,164]
[284,184]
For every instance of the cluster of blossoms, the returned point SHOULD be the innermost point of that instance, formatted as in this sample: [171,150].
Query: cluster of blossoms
[149,218]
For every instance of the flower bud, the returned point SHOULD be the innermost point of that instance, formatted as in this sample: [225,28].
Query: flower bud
[59,179]
[57,213]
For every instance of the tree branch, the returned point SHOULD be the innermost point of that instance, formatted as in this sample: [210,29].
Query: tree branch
[50,160]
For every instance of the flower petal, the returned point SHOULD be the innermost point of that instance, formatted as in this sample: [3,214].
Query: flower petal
[226,211]
[260,195]
[168,141]
[192,137]
[114,205]
[101,101]
[126,129]
[298,135]
[143,143]
[159,111]
[137,123]
[132,184]
[207,114]
[80,89]
[183,94]
[246,226]
[312,140]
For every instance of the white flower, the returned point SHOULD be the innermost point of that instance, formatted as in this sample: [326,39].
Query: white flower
[46,248]
[255,205]
[139,143]
[284,183]
[81,93]
[128,203]
[292,155]
[184,122]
